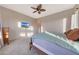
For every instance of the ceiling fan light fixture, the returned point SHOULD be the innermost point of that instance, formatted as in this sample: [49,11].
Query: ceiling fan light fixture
[38,9]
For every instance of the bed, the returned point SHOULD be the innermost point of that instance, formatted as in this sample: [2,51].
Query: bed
[55,44]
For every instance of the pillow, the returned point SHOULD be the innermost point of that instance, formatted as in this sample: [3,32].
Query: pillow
[67,32]
[73,34]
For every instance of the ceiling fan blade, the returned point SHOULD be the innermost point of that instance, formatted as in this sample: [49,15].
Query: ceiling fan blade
[39,6]
[42,10]
[33,8]
[34,11]
[39,12]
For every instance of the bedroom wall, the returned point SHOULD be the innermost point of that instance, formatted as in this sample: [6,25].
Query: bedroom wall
[51,23]
[10,19]
[54,22]
[77,6]
[1,39]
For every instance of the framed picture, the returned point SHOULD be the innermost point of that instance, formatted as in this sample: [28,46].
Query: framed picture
[23,24]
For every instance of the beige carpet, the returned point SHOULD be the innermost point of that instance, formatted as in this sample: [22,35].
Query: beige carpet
[17,47]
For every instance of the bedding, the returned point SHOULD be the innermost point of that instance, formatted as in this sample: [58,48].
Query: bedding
[73,34]
[67,32]
[59,40]
[51,48]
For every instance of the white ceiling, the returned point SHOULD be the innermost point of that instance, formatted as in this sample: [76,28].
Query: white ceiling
[50,9]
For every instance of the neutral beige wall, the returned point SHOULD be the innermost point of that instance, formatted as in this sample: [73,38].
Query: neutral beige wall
[1,38]
[37,26]
[51,23]
[54,23]
[10,19]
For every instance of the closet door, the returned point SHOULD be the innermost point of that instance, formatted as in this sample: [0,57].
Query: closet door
[5,31]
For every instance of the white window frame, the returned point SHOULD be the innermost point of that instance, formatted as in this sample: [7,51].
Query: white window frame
[74,20]
[64,24]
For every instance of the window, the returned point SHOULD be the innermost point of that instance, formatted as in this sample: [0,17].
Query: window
[19,24]
[74,20]
[64,24]
[29,34]
[22,34]
[42,29]
[31,28]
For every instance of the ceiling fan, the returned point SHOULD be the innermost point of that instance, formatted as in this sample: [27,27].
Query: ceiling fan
[38,9]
